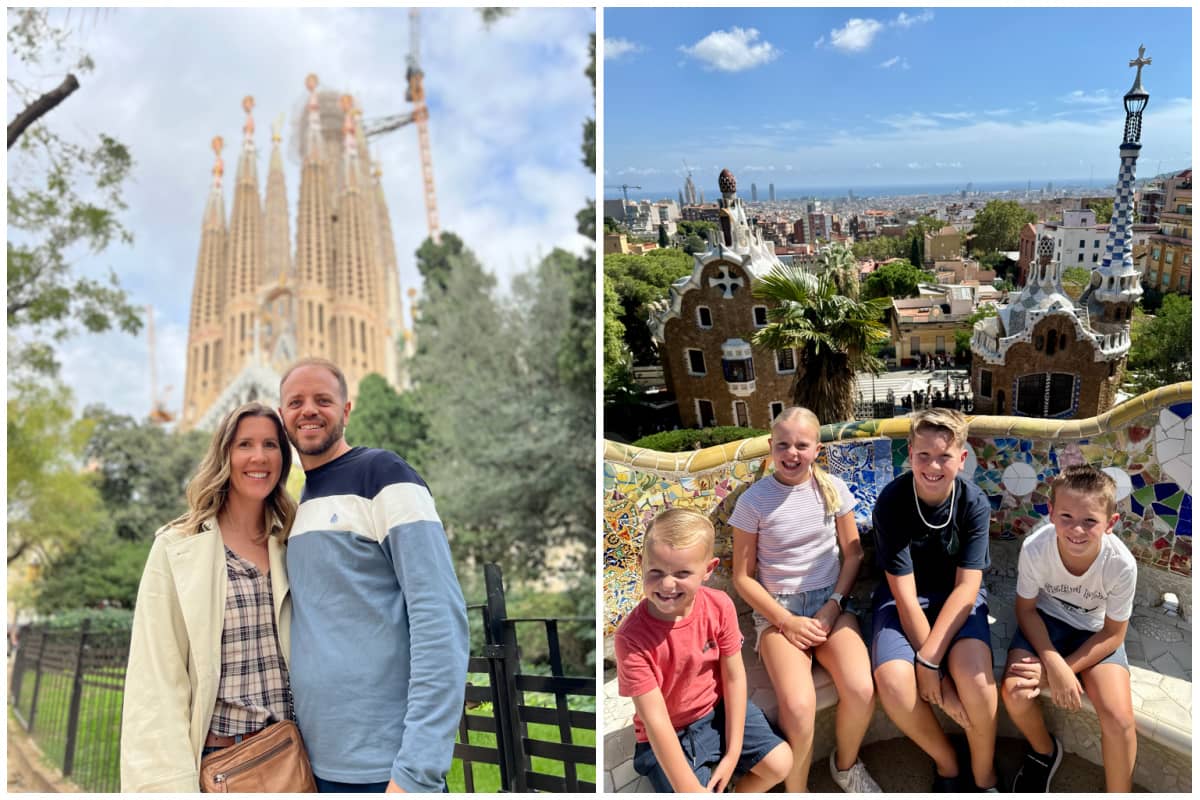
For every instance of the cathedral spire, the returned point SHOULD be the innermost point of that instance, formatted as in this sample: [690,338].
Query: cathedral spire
[349,144]
[312,138]
[277,261]
[245,253]
[205,354]
[214,211]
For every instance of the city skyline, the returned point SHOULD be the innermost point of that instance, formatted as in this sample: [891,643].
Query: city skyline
[510,191]
[860,98]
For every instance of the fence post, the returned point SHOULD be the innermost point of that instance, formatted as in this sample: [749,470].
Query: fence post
[76,697]
[502,641]
[37,678]
[18,674]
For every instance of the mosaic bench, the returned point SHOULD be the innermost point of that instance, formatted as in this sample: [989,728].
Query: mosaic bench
[1144,443]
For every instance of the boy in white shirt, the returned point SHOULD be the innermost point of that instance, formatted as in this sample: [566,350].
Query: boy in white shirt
[1075,587]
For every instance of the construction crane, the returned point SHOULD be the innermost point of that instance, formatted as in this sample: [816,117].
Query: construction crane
[158,403]
[624,187]
[415,94]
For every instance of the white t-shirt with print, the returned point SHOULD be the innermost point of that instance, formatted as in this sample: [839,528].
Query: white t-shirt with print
[1081,601]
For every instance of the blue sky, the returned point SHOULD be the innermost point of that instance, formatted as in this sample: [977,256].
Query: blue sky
[845,97]
[507,105]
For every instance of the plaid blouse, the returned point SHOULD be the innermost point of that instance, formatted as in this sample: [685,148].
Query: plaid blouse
[254,689]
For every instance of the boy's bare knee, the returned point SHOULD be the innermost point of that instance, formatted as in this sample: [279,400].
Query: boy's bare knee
[776,764]
[860,692]
[894,681]
[1119,721]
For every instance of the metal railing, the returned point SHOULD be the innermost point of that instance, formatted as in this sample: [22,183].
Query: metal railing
[67,689]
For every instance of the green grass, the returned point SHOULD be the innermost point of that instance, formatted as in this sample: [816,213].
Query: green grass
[97,739]
[487,776]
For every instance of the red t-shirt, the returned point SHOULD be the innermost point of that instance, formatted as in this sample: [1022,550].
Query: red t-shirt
[682,658]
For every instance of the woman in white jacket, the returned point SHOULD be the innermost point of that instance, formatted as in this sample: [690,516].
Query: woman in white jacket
[207,657]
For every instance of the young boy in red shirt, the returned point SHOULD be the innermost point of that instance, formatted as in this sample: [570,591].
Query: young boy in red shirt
[679,657]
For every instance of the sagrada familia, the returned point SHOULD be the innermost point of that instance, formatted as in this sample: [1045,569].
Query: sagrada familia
[256,307]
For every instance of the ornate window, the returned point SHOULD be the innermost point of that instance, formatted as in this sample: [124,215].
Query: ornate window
[704,317]
[985,383]
[705,413]
[785,361]
[696,362]
[1046,394]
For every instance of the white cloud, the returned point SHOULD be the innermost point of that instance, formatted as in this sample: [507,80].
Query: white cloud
[733,50]
[953,115]
[998,112]
[895,61]
[903,20]
[820,41]
[856,35]
[1080,97]
[616,48]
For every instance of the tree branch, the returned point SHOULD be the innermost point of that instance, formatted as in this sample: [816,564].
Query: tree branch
[40,107]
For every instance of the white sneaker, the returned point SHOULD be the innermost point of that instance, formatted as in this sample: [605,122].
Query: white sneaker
[855,780]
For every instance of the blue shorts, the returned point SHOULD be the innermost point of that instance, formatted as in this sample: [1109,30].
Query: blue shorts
[889,642]
[703,744]
[801,604]
[1066,640]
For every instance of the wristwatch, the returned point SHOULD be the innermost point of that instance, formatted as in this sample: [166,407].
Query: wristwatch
[840,599]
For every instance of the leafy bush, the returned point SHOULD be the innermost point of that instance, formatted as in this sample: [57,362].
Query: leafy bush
[696,439]
[101,620]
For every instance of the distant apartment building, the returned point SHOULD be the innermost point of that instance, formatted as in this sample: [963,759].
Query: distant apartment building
[754,193]
[771,192]
[1150,201]
[702,213]
[960,270]
[925,325]
[944,245]
[1078,239]
[619,244]
[1168,262]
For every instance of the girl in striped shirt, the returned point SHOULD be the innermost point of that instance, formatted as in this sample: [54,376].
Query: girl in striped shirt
[788,528]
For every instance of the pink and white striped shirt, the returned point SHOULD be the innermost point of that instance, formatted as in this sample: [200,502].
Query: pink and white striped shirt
[797,540]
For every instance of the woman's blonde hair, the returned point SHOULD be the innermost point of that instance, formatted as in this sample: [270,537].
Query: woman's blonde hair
[829,492]
[208,489]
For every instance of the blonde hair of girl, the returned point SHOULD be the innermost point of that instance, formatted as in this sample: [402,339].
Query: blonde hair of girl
[829,493]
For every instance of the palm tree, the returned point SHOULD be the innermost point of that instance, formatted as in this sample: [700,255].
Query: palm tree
[834,335]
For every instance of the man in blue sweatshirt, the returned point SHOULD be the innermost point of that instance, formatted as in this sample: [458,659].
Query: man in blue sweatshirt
[379,627]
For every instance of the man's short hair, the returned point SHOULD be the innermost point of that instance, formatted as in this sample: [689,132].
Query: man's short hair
[314,361]
[1087,480]
[679,528]
[939,420]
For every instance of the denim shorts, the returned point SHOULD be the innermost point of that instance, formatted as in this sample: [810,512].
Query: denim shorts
[800,604]
[1066,640]
[889,642]
[703,744]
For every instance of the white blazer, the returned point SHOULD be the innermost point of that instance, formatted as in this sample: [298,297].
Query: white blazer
[175,656]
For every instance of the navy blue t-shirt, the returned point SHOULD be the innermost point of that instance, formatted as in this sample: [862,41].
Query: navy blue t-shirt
[904,544]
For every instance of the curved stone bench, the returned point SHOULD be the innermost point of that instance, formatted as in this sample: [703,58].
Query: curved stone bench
[1146,441]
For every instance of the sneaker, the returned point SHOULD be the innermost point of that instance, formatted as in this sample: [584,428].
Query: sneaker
[854,780]
[1037,770]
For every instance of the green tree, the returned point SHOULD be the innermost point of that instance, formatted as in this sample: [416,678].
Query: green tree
[616,355]
[102,570]
[1152,298]
[962,336]
[142,470]
[998,226]
[510,451]
[663,240]
[696,227]
[52,500]
[638,281]
[1103,209]
[388,420]
[896,279]
[914,252]
[834,336]
[1161,351]
[839,262]
[64,198]
[881,248]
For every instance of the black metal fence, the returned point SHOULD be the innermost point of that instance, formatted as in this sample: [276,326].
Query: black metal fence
[67,688]
[519,699]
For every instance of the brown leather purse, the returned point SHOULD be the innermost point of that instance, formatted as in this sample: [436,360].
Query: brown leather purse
[273,760]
